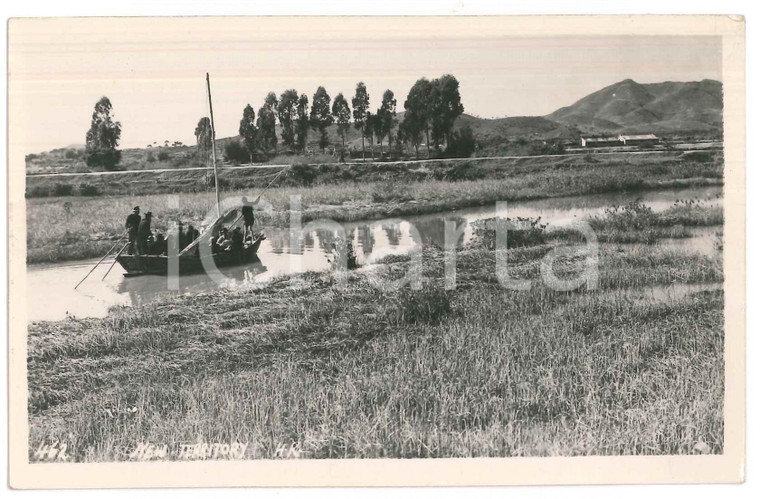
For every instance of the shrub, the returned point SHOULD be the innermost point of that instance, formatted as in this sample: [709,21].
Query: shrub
[461,144]
[633,216]
[163,156]
[520,232]
[235,153]
[388,190]
[464,171]
[150,158]
[86,189]
[588,158]
[38,191]
[108,159]
[302,174]
[691,212]
[60,189]
[550,147]
[698,156]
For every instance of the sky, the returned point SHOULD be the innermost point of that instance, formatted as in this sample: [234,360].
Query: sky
[153,70]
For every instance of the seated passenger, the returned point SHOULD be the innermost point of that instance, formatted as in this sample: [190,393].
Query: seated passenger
[191,234]
[225,241]
[159,246]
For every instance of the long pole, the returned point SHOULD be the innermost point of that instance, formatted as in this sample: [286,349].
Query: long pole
[114,261]
[99,262]
[270,184]
[213,145]
[195,243]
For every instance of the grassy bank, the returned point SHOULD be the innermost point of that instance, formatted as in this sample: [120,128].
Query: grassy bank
[137,183]
[324,371]
[76,227]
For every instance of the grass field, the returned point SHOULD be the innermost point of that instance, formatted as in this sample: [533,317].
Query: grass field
[76,227]
[323,371]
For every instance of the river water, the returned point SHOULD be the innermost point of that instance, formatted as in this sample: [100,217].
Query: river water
[50,293]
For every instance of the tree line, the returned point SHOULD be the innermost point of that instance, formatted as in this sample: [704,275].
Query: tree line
[431,108]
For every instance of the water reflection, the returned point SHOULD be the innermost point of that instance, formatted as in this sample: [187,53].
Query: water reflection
[50,295]
[144,289]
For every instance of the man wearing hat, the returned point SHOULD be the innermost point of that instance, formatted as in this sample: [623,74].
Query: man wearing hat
[143,233]
[133,222]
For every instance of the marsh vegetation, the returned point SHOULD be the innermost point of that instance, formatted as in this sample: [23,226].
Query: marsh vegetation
[351,371]
[77,227]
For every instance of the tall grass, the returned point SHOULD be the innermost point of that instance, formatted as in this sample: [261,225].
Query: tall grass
[355,372]
[55,233]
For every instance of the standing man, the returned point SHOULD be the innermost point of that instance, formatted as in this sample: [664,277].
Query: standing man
[133,222]
[191,234]
[248,219]
[143,233]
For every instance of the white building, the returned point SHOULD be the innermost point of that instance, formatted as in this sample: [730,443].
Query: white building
[599,141]
[649,139]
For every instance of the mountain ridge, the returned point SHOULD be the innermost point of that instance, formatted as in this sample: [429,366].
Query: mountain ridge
[629,106]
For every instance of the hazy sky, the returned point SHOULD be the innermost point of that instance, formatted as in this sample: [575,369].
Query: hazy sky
[154,71]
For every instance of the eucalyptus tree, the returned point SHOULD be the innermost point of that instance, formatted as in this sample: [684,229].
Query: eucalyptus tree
[287,112]
[342,115]
[249,131]
[102,138]
[321,117]
[302,122]
[267,123]
[360,103]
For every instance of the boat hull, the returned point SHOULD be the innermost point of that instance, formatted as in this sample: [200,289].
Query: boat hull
[135,265]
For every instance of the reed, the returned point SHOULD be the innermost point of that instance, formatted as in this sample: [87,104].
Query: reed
[349,372]
[71,228]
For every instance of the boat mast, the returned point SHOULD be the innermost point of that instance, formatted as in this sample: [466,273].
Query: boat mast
[213,146]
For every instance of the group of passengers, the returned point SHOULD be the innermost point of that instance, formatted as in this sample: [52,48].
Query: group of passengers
[227,240]
[224,239]
[143,240]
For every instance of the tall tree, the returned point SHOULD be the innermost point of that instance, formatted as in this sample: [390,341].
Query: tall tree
[386,118]
[287,111]
[103,137]
[248,131]
[418,110]
[266,123]
[203,137]
[302,122]
[342,114]
[360,103]
[410,130]
[321,117]
[446,104]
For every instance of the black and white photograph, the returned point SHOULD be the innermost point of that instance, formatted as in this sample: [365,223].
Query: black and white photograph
[350,241]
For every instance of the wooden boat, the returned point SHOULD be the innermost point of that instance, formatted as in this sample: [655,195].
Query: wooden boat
[189,263]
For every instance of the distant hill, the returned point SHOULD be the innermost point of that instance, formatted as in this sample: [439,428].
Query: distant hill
[527,127]
[628,106]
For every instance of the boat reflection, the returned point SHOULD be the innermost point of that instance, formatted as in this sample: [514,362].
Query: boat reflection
[146,288]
